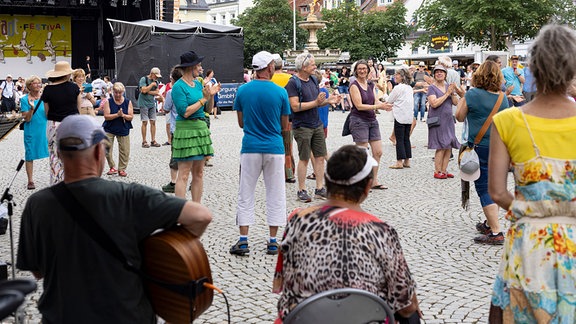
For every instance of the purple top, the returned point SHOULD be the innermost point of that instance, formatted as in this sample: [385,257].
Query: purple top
[443,136]
[367,99]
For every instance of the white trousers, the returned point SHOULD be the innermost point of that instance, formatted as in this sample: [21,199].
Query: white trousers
[272,166]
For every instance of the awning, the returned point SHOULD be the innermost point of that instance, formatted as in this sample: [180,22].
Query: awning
[433,56]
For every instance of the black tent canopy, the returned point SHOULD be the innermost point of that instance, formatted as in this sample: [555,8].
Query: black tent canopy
[141,45]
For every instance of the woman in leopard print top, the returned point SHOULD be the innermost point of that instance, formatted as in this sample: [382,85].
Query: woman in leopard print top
[337,244]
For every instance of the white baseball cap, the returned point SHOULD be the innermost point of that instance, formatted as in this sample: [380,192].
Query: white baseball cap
[469,166]
[261,60]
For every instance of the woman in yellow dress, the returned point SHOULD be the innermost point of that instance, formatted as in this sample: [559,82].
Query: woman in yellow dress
[536,282]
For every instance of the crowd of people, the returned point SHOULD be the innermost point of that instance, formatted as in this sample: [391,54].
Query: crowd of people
[335,243]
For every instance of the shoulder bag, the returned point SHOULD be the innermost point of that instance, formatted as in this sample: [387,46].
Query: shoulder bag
[470,149]
[21,126]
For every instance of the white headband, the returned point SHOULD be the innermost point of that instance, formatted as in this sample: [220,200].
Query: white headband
[370,163]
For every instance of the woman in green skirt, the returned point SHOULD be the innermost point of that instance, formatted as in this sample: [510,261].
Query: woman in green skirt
[191,142]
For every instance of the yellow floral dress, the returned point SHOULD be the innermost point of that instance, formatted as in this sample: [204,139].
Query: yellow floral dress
[536,282]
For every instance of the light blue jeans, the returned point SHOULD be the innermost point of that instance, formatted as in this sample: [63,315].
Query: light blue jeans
[419,104]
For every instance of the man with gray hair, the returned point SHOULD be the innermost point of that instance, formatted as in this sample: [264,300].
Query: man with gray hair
[452,76]
[305,97]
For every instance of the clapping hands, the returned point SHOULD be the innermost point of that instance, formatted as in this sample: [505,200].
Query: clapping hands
[211,90]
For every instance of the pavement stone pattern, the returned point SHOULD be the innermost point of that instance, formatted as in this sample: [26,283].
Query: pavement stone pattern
[454,275]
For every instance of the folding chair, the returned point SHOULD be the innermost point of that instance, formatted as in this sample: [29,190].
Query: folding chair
[341,306]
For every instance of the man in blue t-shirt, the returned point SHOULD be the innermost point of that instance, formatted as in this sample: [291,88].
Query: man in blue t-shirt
[514,77]
[306,124]
[263,111]
[529,86]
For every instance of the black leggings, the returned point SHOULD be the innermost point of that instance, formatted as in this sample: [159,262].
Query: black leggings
[403,146]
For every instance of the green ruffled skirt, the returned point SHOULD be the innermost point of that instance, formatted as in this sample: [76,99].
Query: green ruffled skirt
[191,141]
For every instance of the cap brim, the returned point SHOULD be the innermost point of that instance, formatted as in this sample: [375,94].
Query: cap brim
[470,176]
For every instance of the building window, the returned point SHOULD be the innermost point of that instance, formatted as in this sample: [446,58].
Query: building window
[385,2]
[213,19]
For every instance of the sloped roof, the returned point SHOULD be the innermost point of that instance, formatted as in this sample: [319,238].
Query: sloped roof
[199,5]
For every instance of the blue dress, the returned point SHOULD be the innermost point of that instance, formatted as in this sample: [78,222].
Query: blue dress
[443,136]
[35,139]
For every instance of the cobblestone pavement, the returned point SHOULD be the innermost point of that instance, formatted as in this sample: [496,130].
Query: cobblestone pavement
[454,274]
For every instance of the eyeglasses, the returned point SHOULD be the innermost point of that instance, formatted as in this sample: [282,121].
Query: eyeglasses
[306,59]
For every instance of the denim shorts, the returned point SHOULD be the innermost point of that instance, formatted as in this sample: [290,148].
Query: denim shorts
[364,131]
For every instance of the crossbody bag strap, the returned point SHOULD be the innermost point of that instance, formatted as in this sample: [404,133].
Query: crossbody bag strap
[488,121]
[81,215]
[36,106]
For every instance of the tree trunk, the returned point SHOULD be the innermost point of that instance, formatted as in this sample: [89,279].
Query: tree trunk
[493,38]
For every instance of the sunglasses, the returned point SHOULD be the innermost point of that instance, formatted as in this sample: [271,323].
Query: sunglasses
[306,59]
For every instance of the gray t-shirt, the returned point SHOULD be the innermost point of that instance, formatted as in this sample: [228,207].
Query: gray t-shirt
[83,282]
[419,77]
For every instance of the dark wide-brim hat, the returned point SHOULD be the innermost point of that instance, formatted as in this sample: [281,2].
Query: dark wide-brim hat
[189,59]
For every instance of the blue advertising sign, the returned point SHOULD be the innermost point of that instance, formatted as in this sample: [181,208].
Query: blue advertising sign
[227,94]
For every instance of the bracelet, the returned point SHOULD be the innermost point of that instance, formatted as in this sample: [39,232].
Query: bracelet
[202,103]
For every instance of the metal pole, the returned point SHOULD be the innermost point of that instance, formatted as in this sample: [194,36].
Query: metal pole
[294,21]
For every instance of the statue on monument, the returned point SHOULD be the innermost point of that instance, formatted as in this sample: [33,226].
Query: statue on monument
[312,6]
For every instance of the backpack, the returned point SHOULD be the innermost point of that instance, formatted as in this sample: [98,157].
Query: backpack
[137,91]
[298,84]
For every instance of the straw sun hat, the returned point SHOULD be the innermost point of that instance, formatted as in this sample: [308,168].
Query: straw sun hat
[61,69]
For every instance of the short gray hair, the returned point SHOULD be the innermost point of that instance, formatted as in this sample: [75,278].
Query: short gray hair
[278,62]
[303,60]
[552,59]
[445,60]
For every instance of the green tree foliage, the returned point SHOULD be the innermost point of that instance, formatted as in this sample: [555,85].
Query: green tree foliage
[268,26]
[376,34]
[489,23]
